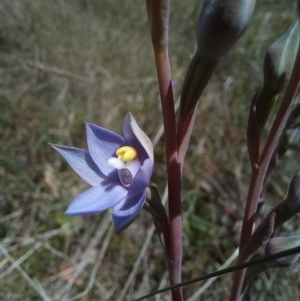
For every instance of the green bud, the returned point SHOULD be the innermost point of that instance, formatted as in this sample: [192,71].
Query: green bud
[277,68]
[279,244]
[280,59]
[220,25]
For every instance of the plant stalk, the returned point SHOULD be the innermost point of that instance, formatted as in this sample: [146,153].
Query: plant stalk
[158,14]
[260,169]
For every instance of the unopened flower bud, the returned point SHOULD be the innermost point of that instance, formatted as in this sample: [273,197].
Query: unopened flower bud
[283,213]
[277,68]
[279,244]
[260,235]
[280,59]
[220,25]
[290,206]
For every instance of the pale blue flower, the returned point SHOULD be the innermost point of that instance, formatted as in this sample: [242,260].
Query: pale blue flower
[118,169]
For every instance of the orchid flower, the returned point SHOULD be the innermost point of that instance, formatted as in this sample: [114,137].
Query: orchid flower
[118,169]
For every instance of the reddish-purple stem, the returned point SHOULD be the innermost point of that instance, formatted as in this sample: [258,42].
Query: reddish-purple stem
[259,173]
[158,13]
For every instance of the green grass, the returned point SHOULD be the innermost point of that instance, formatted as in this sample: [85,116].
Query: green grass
[103,52]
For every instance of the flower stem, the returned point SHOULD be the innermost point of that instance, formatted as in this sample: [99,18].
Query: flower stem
[158,14]
[259,172]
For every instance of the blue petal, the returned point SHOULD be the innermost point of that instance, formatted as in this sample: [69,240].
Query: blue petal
[141,179]
[137,137]
[82,163]
[102,145]
[127,210]
[97,199]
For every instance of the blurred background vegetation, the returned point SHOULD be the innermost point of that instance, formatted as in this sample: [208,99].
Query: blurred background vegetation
[64,62]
